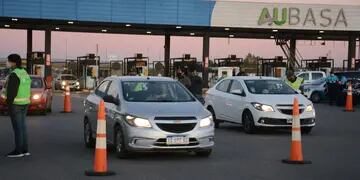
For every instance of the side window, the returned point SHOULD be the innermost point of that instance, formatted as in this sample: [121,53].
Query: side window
[236,86]
[316,76]
[101,89]
[113,90]
[305,76]
[223,86]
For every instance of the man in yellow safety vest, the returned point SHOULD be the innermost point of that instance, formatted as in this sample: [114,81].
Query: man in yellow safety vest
[293,81]
[17,94]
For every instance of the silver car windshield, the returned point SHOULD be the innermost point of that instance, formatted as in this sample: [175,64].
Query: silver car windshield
[155,91]
[268,87]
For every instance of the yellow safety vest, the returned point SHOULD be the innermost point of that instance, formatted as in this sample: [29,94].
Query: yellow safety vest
[296,84]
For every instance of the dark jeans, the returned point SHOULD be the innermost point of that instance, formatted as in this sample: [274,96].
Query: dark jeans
[18,116]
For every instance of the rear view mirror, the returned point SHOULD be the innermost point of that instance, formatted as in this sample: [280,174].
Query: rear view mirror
[110,99]
[237,92]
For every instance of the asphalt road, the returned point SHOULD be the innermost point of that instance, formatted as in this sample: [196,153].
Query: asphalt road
[58,152]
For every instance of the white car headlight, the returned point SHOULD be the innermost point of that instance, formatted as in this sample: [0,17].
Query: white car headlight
[77,83]
[206,121]
[63,83]
[36,96]
[138,122]
[263,107]
[309,108]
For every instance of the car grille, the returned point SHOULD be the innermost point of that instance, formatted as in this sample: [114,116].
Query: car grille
[162,142]
[273,121]
[176,128]
[290,111]
[180,118]
[288,108]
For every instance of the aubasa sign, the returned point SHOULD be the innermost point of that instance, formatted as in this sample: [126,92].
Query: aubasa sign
[297,17]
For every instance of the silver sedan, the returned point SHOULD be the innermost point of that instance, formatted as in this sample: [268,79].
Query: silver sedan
[149,114]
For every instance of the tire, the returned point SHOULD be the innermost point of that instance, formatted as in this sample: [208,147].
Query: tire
[248,123]
[119,144]
[315,97]
[204,153]
[306,130]
[89,140]
[216,122]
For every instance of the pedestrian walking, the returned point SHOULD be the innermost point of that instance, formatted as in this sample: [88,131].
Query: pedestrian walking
[332,87]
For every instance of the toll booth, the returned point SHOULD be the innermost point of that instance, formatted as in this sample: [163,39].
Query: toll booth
[104,70]
[157,68]
[185,63]
[88,70]
[37,64]
[116,67]
[322,64]
[137,65]
[355,64]
[275,67]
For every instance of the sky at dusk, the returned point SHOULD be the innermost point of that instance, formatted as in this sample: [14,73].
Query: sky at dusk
[71,45]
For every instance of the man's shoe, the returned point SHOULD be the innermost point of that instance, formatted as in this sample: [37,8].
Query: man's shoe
[15,154]
[26,153]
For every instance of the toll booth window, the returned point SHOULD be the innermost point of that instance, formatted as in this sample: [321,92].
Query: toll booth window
[268,87]
[137,91]
[68,78]
[36,83]
[101,89]
[223,86]
[305,76]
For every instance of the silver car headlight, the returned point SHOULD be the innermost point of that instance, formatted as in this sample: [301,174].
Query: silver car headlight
[36,96]
[309,108]
[77,83]
[63,83]
[138,122]
[205,122]
[263,107]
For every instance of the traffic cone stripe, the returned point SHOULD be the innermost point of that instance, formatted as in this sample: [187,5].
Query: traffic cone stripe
[101,127]
[296,129]
[101,135]
[100,143]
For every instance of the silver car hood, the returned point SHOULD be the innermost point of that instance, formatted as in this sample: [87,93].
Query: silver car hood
[280,99]
[150,110]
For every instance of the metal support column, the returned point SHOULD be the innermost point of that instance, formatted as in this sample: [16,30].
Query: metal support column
[167,55]
[351,51]
[206,52]
[292,53]
[29,48]
[47,54]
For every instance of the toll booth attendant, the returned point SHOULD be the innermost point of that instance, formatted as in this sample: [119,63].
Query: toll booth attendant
[17,94]
[332,86]
[293,81]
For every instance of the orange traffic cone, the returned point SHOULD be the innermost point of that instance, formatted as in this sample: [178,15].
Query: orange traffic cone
[67,100]
[296,156]
[100,161]
[349,100]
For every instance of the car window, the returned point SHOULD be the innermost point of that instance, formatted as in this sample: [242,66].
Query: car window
[268,87]
[113,90]
[223,86]
[36,83]
[101,89]
[236,85]
[305,76]
[316,76]
[155,91]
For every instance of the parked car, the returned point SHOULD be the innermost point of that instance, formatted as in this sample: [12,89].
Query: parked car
[149,114]
[64,80]
[311,76]
[316,91]
[257,102]
[41,97]
[3,74]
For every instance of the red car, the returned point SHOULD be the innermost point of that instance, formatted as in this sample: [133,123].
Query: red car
[41,97]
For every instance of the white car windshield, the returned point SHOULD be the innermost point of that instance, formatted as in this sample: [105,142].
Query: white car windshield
[268,87]
[155,91]
[68,78]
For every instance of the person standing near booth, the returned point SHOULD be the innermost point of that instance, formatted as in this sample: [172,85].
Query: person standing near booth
[17,93]
[332,87]
[293,81]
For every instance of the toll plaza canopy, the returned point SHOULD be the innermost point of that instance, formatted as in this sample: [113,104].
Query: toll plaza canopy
[252,20]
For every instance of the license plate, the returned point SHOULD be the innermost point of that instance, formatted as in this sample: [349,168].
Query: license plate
[177,140]
[289,121]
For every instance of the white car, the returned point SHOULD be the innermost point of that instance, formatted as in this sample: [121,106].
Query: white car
[257,102]
[311,76]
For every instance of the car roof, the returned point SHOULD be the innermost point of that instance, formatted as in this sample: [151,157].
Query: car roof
[254,78]
[140,78]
